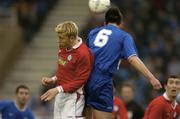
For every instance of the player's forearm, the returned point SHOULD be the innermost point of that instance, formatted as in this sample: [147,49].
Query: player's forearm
[139,65]
[76,83]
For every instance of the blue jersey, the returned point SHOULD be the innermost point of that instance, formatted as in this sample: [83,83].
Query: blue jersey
[109,44]
[8,110]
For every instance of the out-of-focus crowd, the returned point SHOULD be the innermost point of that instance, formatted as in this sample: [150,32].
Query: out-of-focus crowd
[30,14]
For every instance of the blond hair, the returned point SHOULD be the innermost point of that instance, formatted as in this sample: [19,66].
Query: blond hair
[67,29]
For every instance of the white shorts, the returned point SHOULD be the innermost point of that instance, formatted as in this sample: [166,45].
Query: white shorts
[69,106]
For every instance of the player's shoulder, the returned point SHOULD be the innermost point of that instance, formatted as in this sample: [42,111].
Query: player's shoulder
[28,110]
[117,29]
[7,101]
[83,50]
[125,34]
[158,100]
[29,113]
[117,100]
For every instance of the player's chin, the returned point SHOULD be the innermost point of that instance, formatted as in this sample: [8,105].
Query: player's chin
[174,93]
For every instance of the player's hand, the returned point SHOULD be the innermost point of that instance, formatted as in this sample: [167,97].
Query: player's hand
[49,95]
[156,84]
[45,81]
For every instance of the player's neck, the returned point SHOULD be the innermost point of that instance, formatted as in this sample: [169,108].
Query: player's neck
[114,24]
[171,98]
[20,106]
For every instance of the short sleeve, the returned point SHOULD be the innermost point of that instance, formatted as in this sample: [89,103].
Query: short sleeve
[129,48]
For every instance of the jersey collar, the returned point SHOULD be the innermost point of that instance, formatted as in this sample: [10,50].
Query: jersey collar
[21,110]
[167,98]
[79,42]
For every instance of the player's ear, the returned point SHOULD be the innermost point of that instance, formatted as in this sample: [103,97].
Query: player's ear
[122,25]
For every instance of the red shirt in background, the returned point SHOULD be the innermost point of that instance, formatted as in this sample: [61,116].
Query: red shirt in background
[119,110]
[162,108]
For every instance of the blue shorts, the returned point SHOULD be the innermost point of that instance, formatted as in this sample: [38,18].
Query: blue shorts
[99,92]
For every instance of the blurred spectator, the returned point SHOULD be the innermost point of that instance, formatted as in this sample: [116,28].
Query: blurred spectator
[135,111]
[25,17]
[17,109]
[174,66]
[119,109]
[30,14]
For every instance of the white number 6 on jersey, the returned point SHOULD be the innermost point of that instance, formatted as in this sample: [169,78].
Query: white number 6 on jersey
[102,37]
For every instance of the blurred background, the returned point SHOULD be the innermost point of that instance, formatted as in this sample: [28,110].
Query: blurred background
[28,43]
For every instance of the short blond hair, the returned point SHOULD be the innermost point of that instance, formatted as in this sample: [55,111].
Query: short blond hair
[67,29]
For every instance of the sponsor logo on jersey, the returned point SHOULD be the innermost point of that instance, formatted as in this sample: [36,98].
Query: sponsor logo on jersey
[61,61]
[69,58]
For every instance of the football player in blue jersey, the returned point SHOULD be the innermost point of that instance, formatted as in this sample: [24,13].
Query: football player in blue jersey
[17,109]
[109,44]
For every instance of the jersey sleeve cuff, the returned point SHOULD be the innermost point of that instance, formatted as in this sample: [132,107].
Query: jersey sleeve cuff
[60,89]
[132,55]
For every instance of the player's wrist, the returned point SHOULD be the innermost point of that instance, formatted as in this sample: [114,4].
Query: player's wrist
[60,89]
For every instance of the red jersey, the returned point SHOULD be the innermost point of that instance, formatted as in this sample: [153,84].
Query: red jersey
[162,108]
[74,67]
[119,110]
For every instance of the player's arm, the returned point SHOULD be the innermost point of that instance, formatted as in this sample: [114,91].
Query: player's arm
[51,93]
[139,65]
[129,53]
[3,105]
[47,80]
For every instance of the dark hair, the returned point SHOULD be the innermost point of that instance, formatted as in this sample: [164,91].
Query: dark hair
[21,87]
[171,76]
[113,15]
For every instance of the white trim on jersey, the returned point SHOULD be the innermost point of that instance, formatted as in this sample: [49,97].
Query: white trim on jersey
[132,55]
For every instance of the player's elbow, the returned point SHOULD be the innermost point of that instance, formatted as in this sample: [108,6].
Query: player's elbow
[132,59]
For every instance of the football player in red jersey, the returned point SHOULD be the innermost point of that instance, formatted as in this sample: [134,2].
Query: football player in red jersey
[74,66]
[165,106]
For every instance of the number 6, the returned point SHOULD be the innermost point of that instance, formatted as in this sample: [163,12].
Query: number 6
[102,37]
